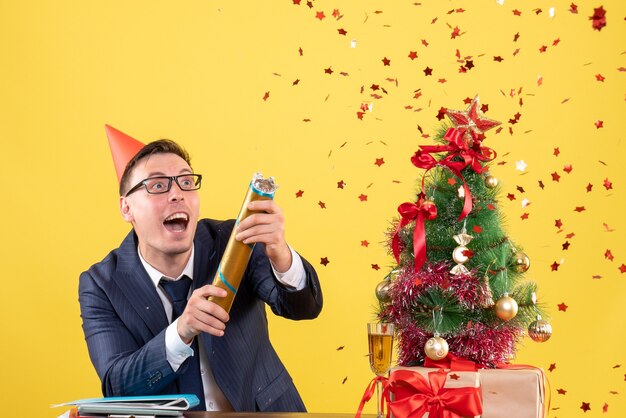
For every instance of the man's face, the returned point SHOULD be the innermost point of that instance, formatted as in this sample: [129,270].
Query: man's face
[165,223]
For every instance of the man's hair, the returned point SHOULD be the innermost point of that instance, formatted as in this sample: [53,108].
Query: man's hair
[161,146]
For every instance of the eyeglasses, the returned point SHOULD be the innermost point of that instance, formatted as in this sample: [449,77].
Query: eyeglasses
[163,184]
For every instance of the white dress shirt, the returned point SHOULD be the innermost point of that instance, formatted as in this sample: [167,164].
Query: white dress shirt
[177,351]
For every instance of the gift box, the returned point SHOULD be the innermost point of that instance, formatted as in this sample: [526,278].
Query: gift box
[432,392]
[514,391]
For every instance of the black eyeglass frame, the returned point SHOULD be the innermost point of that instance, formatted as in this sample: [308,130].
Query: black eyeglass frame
[170,179]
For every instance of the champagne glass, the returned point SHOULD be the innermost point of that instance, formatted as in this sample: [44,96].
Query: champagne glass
[380,337]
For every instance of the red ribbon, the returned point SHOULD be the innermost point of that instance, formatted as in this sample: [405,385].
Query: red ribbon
[472,155]
[420,211]
[453,363]
[415,396]
[369,392]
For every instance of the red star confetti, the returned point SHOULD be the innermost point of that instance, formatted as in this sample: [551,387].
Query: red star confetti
[296,2]
[599,124]
[543,49]
[605,408]
[556,152]
[516,37]
[524,216]
[510,196]
[442,113]
[428,71]
[324,261]
[556,41]
[589,187]
[573,8]
[554,266]
[579,209]
[567,168]
[498,58]
[424,42]
[379,161]
[562,307]
[585,407]
[555,177]
[561,391]
[455,32]
[322,204]
[365,243]
[570,235]
[520,189]
[477,229]
[541,185]
[386,62]
[565,245]
[552,367]
[412,55]
[363,197]
[299,193]
[336,14]
[607,228]
[328,70]
[598,20]
[607,184]
[320,15]
[622,268]
[600,77]
[517,12]
[342,32]
[558,223]
[375,267]
[341,184]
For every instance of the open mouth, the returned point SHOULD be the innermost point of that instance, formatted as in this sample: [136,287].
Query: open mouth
[176,222]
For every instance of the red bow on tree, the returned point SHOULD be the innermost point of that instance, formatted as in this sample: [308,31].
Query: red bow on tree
[420,211]
[458,147]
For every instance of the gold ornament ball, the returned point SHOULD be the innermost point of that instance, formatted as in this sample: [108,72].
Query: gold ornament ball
[382,291]
[540,330]
[491,182]
[436,348]
[506,308]
[520,262]
[458,256]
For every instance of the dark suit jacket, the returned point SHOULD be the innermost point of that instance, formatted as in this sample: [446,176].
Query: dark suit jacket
[124,324]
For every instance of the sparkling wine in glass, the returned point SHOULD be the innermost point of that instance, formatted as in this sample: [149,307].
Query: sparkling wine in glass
[380,338]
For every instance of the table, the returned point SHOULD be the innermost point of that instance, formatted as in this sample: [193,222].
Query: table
[200,414]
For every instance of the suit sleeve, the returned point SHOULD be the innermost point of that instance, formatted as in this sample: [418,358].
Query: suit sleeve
[125,364]
[291,304]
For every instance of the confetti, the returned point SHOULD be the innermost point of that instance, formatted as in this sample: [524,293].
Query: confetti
[562,307]
[324,261]
[598,20]
[363,197]
[299,193]
[365,243]
[608,255]
[520,165]
[607,184]
[585,407]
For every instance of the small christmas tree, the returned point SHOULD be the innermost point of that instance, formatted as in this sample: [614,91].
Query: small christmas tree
[459,284]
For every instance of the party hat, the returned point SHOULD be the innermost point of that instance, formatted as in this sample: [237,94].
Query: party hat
[123,149]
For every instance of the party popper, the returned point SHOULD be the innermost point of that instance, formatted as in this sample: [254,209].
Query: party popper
[237,254]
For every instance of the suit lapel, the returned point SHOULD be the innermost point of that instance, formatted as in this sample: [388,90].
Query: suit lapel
[204,268]
[135,284]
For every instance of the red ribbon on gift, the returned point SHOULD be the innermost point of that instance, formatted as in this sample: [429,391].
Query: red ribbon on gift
[369,392]
[472,155]
[453,363]
[430,396]
[420,211]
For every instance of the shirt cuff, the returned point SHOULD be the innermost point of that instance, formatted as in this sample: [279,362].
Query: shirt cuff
[295,277]
[176,351]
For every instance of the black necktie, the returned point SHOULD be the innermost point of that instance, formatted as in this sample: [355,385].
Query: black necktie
[189,380]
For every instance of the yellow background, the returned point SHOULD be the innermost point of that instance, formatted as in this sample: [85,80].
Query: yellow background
[197,72]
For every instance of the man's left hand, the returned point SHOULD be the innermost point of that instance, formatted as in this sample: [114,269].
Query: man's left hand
[267,226]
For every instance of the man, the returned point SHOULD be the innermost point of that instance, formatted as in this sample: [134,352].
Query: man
[138,343]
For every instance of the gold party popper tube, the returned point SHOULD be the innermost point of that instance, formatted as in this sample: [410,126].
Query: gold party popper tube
[237,254]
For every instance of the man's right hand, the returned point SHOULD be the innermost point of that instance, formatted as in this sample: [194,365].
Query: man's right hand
[201,315]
